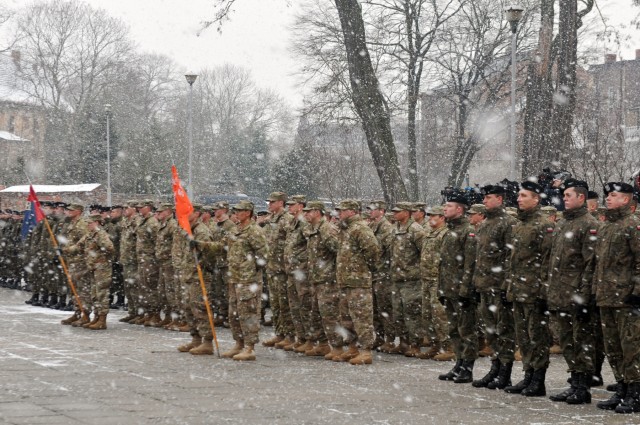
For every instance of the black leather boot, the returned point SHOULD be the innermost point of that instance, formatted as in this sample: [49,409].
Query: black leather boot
[582,394]
[53,301]
[453,373]
[33,299]
[504,377]
[466,372]
[62,302]
[489,377]
[616,399]
[42,301]
[517,388]
[569,391]
[536,388]
[631,402]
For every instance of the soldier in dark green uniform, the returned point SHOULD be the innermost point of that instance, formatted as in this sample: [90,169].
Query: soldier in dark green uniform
[113,227]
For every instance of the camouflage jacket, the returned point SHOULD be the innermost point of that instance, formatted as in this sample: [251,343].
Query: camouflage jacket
[529,258]
[247,254]
[128,240]
[146,236]
[457,260]
[179,247]
[186,267]
[219,233]
[617,271]
[295,247]
[384,233]
[98,249]
[572,259]
[358,254]
[76,236]
[322,246]
[276,234]
[164,241]
[430,254]
[113,227]
[493,238]
[405,252]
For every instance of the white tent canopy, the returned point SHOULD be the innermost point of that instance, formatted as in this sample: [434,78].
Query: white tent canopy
[47,188]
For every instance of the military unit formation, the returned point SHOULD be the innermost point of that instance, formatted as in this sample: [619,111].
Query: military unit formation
[447,283]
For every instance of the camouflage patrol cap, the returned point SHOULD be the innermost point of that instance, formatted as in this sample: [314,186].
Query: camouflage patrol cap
[437,210]
[366,214]
[207,208]
[96,217]
[549,209]
[74,207]
[348,204]
[403,206]
[478,209]
[164,207]
[146,203]
[198,207]
[314,205]
[132,203]
[277,196]
[297,199]
[419,206]
[221,205]
[377,205]
[243,206]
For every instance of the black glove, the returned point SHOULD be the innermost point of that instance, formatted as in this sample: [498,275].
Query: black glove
[476,296]
[632,300]
[464,302]
[193,244]
[442,300]
[583,313]
[505,301]
[542,306]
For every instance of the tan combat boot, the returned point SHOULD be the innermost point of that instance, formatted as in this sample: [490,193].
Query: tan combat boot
[82,320]
[69,320]
[167,319]
[485,350]
[555,349]
[401,348]
[139,320]
[445,356]
[388,345]
[169,326]
[195,341]
[322,349]
[94,320]
[100,324]
[335,352]
[308,345]
[127,318]
[284,343]
[237,349]
[413,351]
[152,320]
[293,346]
[517,356]
[433,351]
[206,348]
[247,354]
[363,358]
[273,341]
[351,353]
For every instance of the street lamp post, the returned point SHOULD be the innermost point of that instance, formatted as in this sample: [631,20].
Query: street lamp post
[191,78]
[514,15]
[107,109]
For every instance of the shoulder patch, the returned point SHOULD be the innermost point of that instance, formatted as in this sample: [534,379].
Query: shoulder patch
[593,231]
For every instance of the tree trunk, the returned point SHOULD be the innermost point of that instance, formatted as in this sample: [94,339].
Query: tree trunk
[369,102]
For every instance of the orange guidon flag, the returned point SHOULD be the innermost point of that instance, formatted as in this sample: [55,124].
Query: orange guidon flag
[183,204]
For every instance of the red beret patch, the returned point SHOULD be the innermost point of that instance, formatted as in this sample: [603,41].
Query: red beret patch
[550,229]
[472,235]
[593,231]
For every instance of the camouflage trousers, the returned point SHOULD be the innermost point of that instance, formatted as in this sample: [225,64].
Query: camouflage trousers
[434,318]
[130,274]
[197,316]
[532,334]
[462,329]
[34,275]
[407,310]
[299,294]
[279,300]
[100,286]
[166,287]
[244,311]
[621,331]
[82,281]
[577,341]
[325,314]
[148,284]
[356,316]
[383,321]
[220,291]
[181,293]
[498,325]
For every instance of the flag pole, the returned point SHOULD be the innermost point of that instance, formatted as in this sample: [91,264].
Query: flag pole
[205,297]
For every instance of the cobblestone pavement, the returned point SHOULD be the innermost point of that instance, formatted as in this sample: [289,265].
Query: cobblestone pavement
[54,374]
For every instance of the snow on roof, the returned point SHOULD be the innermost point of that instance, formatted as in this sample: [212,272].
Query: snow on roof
[10,137]
[47,188]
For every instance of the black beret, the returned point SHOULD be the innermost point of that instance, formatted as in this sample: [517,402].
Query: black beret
[492,189]
[532,186]
[617,187]
[456,196]
[574,183]
[592,195]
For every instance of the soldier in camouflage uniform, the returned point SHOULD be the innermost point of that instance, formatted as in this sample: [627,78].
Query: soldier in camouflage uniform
[35,263]
[571,267]
[322,245]
[113,227]
[99,252]
[357,256]
[616,288]
[383,321]
[247,257]
[298,287]
[146,237]
[528,268]
[57,279]
[493,238]
[129,262]
[419,214]
[276,233]
[166,275]
[408,238]
[434,317]
[74,254]
[220,227]
[455,288]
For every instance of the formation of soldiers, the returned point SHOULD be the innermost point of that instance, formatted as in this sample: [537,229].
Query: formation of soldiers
[446,279]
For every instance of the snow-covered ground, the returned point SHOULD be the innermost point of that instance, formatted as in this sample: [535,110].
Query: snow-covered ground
[54,374]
